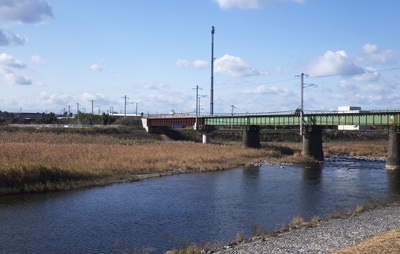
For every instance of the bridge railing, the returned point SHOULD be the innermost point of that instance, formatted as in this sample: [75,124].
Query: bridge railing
[273,113]
[283,118]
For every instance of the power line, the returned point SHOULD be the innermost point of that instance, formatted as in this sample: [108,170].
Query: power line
[316,77]
[355,73]
[259,84]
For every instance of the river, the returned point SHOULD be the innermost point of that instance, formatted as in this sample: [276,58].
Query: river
[155,215]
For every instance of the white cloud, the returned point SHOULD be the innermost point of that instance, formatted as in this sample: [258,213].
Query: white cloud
[58,100]
[346,84]
[25,11]
[95,67]
[14,78]
[270,90]
[9,38]
[334,63]
[98,99]
[372,54]
[198,64]
[370,74]
[153,85]
[11,62]
[183,63]
[7,62]
[37,59]
[251,4]
[234,66]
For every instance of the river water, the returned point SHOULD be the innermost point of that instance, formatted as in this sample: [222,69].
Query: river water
[158,214]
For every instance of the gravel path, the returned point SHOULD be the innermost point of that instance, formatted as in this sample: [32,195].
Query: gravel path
[331,235]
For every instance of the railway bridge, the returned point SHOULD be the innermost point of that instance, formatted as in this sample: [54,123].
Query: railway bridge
[310,127]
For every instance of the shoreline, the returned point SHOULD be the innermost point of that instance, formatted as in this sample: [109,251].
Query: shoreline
[327,236]
[89,183]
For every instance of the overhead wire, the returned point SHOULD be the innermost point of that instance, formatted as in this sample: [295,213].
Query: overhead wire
[286,80]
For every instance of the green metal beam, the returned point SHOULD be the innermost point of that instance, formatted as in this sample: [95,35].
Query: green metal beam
[326,119]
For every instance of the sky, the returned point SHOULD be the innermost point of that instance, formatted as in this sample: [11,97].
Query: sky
[150,55]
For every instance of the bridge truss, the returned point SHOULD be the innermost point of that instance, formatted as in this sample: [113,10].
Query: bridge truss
[376,118]
[381,118]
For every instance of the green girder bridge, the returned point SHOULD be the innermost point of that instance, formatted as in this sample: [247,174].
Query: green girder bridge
[310,127]
[323,119]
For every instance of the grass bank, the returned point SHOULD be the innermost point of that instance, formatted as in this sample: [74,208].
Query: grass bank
[33,162]
[42,161]
[36,161]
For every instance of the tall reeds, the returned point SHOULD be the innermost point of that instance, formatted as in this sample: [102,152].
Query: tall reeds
[37,161]
[51,161]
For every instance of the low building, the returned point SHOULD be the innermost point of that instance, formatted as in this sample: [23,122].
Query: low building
[351,109]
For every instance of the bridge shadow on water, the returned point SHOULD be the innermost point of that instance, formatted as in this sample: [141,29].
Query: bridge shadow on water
[393,178]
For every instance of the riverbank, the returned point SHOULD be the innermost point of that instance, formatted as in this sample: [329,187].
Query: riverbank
[41,161]
[336,236]
[34,162]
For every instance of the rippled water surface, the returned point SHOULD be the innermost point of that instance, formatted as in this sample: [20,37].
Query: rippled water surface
[163,213]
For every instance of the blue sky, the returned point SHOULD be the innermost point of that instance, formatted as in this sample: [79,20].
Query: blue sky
[56,53]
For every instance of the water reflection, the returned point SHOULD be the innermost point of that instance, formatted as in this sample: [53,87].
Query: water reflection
[160,212]
[310,192]
[393,177]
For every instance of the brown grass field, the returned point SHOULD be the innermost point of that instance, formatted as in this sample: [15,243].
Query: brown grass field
[387,243]
[35,162]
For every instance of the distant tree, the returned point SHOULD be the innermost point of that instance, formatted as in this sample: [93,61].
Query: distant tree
[50,118]
[90,119]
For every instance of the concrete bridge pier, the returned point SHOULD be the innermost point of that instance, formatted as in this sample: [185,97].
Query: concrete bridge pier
[312,142]
[205,136]
[251,136]
[393,156]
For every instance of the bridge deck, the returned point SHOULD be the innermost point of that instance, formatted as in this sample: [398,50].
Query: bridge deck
[381,118]
[369,119]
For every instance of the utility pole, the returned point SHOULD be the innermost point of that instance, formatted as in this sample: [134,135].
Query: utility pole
[92,105]
[212,73]
[301,102]
[136,109]
[197,107]
[232,107]
[302,86]
[77,111]
[200,96]
[125,97]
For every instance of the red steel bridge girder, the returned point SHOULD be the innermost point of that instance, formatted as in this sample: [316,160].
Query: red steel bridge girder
[183,121]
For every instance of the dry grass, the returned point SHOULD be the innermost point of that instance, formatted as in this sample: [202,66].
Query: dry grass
[46,161]
[37,161]
[376,148]
[383,243]
[40,162]
[298,221]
